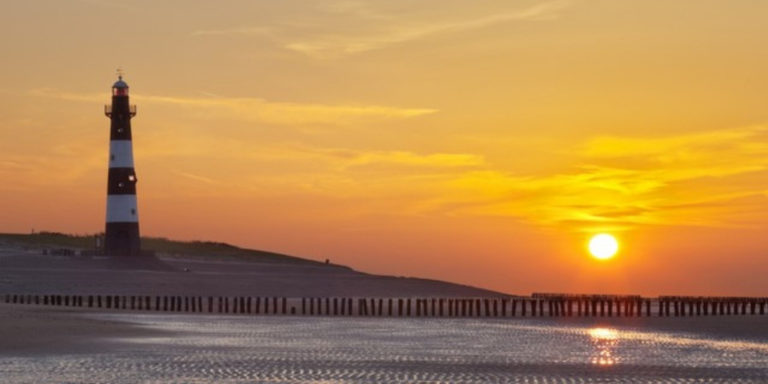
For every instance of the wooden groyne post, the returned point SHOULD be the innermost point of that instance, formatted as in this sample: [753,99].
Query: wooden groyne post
[537,305]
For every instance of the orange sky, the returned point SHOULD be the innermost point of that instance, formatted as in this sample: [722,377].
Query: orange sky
[480,142]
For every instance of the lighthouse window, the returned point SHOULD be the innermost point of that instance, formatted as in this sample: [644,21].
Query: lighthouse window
[133,211]
[112,157]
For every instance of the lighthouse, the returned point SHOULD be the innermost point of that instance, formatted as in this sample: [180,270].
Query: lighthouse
[121,236]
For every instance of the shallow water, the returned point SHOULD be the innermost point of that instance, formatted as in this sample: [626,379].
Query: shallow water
[221,349]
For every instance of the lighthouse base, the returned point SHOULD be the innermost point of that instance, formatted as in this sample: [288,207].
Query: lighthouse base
[122,239]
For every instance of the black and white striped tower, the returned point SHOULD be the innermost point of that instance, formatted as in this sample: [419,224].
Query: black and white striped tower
[122,232]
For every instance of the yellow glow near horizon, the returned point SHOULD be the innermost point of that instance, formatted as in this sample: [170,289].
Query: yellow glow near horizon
[603,246]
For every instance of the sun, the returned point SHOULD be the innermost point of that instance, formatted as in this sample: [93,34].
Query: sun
[603,246]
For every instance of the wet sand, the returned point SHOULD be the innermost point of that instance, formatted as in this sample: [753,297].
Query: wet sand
[32,331]
[752,328]
[83,346]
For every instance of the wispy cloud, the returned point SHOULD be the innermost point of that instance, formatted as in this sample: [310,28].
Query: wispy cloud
[198,178]
[261,110]
[714,178]
[331,45]
[352,162]
[679,147]
[68,96]
[330,37]
[13,165]
[357,159]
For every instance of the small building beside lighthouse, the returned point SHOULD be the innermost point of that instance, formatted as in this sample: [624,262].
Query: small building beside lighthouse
[121,237]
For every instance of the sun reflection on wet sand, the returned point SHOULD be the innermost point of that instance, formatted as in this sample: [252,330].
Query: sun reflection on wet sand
[605,341]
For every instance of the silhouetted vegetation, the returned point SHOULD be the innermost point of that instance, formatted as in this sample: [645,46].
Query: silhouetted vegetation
[49,239]
[171,248]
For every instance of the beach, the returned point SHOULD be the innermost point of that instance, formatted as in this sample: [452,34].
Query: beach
[84,346]
[79,343]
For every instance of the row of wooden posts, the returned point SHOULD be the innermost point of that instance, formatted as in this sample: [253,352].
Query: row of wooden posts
[413,307]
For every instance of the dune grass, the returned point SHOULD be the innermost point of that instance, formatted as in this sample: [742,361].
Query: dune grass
[196,249]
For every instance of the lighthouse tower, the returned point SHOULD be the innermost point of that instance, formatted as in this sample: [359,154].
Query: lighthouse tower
[122,231]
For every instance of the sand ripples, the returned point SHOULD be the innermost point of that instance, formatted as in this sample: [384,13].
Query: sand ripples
[202,349]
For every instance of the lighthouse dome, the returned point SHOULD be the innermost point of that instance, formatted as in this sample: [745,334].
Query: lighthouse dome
[120,83]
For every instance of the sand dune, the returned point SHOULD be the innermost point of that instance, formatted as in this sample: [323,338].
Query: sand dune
[31,272]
